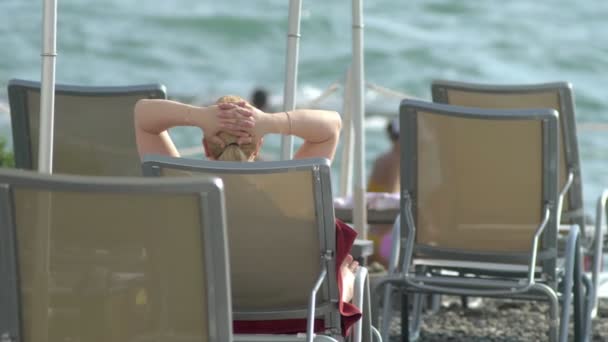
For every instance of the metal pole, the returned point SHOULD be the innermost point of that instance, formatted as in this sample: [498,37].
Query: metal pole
[291,70]
[40,294]
[358,108]
[346,166]
[47,91]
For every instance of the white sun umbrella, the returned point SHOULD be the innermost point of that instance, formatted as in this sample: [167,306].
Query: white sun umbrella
[47,92]
[358,109]
[291,70]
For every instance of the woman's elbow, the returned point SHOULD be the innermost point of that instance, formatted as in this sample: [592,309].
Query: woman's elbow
[140,107]
[139,111]
[337,123]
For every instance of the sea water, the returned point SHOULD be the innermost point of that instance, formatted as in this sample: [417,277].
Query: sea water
[202,49]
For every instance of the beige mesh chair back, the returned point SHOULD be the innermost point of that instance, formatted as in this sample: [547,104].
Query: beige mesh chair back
[112,259]
[558,96]
[479,198]
[481,182]
[94,132]
[281,234]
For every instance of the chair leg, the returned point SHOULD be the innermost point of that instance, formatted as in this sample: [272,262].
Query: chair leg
[376,334]
[410,329]
[417,315]
[393,265]
[464,302]
[434,303]
[553,300]
[553,320]
[566,298]
[601,217]
[405,317]
[571,284]
[367,324]
[387,312]
[588,308]
[578,295]
[361,331]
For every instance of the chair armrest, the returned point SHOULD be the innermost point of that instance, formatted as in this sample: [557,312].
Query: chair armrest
[362,330]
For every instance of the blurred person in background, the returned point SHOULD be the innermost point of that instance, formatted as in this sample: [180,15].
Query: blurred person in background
[259,99]
[384,178]
[385,173]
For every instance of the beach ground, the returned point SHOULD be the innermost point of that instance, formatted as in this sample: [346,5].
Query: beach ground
[494,320]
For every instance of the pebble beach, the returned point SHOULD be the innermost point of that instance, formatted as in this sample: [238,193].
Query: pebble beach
[494,320]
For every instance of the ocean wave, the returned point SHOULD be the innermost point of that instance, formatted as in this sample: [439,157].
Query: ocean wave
[203,49]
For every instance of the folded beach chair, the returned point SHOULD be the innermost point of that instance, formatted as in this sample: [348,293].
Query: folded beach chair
[94,132]
[282,241]
[112,259]
[559,96]
[479,206]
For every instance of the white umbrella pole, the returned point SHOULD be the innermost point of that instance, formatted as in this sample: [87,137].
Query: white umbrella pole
[358,108]
[40,293]
[291,70]
[346,166]
[47,92]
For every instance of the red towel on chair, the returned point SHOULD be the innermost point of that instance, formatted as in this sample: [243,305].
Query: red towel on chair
[345,237]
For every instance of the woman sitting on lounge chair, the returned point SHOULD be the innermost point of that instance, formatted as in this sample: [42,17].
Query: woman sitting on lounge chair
[233,131]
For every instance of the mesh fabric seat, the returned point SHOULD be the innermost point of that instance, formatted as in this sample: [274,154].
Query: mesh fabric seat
[282,239]
[479,209]
[559,96]
[112,259]
[93,134]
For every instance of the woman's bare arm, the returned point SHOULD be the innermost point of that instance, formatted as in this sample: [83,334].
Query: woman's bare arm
[154,117]
[320,129]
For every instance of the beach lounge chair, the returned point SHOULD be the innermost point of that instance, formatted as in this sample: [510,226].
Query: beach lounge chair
[282,241]
[559,96]
[479,197]
[93,133]
[101,259]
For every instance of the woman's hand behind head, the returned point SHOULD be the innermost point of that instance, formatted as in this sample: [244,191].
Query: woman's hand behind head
[232,121]
[243,117]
